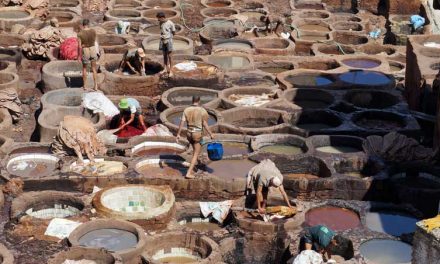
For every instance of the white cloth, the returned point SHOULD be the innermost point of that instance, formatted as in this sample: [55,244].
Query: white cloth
[167,30]
[99,103]
[121,27]
[61,228]
[219,210]
[157,130]
[108,136]
[186,66]
[308,257]
[432,45]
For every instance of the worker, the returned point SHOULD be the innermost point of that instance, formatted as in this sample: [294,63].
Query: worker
[321,239]
[167,31]
[196,119]
[259,179]
[135,60]
[122,27]
[270,20]
[88,48]
[417,23]
[131,114]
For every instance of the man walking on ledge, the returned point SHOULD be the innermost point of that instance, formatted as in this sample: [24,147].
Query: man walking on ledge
[196,119]
[87,47]
[167,31]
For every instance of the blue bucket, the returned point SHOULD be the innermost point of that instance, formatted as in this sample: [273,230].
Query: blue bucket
[215,151]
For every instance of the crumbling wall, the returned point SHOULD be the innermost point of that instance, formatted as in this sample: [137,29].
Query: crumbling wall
[407,7]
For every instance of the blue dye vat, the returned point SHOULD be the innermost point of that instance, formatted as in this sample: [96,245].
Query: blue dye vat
[391,223]
[365,78]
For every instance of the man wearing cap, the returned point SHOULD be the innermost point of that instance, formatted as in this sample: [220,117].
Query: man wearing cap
[135,60]
[321,239]
[167,31]
[130,111]
[259,179]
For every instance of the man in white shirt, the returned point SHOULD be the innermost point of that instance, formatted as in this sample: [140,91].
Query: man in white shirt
[167,30]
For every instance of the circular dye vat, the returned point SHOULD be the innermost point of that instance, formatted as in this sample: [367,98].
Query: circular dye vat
[253,80]
[312,37]
[162,168]
[236,45]
[233,148]
[156,148]
[178,44]
[386,251]
[337,149]
[335,218]
[32,165]
[111,239]
[379,122]
[229,62]
[56,211]
[392,223]
[230,169]
[200,224]
[282,149]
[311,103]
[361,63]
[308,80]
[300,176]
[178,255]
[100,168]
[218,4]
[365,78]
[320,28]
[175,119]
[13,14]
[274,70]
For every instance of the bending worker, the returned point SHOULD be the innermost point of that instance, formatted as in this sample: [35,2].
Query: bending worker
[270,20]
[196,118]
[321,239]
[259,179]
[131,114]
[135,60]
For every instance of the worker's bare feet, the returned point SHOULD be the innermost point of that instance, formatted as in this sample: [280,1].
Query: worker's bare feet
[190,176]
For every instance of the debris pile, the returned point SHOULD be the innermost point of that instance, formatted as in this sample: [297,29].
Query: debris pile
[41,41]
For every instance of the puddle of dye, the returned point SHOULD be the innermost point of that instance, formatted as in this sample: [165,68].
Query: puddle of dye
[313,126]
[385,251]
[335,218]
[203,226]
[230,169]
[308,80]
[13,14]
[234,45]
[320,28]
[164,170]
[177,117]
[395,68]
[230,62]
[391,223]
[361,63]
[273,70]
[233,148]
[218,4]
[337,149]
[111,239]
[32,168]
[381,124]
[365,78]
[146,151]
[282,149]
[177,44]
[178,259]
[312,38]
[300,176]
[311,104]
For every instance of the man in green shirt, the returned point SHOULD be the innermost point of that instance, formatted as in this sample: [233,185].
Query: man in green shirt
[321,239]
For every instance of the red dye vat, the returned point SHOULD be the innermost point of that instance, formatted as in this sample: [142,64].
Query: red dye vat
[335,218]
[129,131]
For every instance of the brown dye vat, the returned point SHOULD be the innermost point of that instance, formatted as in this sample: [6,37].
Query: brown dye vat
[273,70]
[230,169]
[168,13]
[336,218]
[147,151]
[218,4]
[253,81]
[30,150]
[13,14]
[233,148]
[163,170]
[300,176]
[320,28]
[312,38]
[203,226]
[374,123]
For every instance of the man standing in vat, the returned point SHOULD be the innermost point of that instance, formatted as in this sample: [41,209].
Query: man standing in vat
[87,46]
[196,118]
[259,179]
[167,31]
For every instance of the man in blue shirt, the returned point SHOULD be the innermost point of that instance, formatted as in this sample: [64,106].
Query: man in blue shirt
[321,239]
